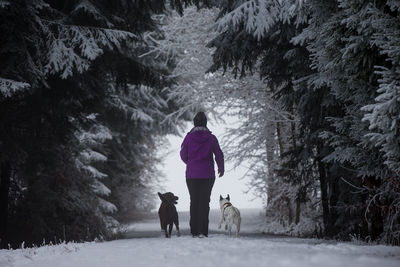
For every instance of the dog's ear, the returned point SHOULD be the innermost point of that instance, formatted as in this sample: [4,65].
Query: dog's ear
[220,197]
[228,198]
[160,195]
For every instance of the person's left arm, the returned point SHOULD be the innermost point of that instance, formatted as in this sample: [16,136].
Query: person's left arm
[219,157]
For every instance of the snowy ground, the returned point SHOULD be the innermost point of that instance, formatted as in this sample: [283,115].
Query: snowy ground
[144,246]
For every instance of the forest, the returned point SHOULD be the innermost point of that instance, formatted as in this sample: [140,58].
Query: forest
[90,88]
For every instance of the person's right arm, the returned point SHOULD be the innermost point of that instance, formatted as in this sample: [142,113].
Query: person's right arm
[184,151]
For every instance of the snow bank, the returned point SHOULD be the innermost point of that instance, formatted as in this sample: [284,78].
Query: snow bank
[305,228]
[218,249]
[150,248]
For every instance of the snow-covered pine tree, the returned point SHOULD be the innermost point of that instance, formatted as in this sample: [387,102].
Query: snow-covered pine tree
[91,160]
[256,37]
[344,97]
[343,42]
[57,66]
[383,115]
[183,42]
[47,51]
[138,119]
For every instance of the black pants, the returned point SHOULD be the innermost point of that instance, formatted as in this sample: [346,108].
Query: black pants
[200,192]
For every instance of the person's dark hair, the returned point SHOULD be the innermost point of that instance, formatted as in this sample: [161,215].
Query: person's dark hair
[200,119]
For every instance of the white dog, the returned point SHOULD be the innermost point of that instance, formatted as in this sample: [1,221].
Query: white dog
[230,215]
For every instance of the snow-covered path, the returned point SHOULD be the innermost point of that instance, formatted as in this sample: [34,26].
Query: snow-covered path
[148,248]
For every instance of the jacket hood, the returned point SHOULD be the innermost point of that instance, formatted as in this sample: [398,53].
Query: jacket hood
[200,135]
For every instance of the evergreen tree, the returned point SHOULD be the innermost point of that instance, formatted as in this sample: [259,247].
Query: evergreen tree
[334,67]
[256,36]
[64,62]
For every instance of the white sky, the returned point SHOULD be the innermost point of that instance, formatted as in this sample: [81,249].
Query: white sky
[231,183]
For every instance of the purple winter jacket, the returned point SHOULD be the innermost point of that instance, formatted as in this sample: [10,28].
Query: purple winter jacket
[197,152]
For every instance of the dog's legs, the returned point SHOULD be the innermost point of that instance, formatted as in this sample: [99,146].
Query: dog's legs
[230,230]
[165,230]
[220,222]
[170,229]
[238,227]
[177,228]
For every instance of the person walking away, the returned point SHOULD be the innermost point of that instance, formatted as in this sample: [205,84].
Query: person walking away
[197,152]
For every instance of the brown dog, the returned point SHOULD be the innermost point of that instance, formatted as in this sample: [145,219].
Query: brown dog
[167,213]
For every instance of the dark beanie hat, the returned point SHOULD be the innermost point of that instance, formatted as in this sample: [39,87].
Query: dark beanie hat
[200,119]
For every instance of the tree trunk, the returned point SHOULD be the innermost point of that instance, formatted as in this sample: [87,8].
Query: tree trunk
[333,196]
[270,148]
[293,132]
[279,136]
[5,173]
[324,196]
[324,192]
[298,209]
[290,214]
